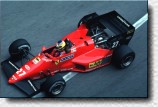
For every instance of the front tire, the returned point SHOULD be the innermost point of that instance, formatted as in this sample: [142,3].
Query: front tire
[19,48]
[123,56]
[54,85]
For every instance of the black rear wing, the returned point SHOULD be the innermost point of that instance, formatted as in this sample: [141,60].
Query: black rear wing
[116,23]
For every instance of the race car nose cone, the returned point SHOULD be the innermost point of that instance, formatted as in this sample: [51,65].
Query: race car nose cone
[12,80]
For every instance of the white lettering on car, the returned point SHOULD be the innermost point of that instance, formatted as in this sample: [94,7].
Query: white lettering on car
[20,72]
[115,44]
[122,20]
[73,49]
[27,67]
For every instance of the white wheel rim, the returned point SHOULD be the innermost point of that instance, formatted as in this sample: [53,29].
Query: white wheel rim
[58,90]
[127,61]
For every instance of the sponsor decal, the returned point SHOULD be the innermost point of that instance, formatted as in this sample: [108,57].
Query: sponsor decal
[57,62]
[36,60]
[20,72]
[73,50]
[122,20]
[66,58]
[94,64]
[27,67]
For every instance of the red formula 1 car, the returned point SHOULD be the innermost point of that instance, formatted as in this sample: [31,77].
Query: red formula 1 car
[98,41]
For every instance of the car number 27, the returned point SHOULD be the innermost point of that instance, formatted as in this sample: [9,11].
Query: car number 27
[20,72]
[115,44]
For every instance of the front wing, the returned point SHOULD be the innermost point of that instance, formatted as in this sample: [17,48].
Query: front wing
[26,86]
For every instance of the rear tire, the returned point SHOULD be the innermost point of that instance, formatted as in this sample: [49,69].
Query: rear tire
[123,56]
[86,18]
[54,85]
[19,48]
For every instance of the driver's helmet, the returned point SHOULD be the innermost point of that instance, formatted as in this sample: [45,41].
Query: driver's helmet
[60,45]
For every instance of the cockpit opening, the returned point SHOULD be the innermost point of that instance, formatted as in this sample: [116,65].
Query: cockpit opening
[54,52]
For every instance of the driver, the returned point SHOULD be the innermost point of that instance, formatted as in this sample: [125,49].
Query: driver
[59,49]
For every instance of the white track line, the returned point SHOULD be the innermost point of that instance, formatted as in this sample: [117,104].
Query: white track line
[137,24]
[142,20]
[69,75]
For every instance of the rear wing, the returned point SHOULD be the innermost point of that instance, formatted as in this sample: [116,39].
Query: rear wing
[112,21]
[116,23]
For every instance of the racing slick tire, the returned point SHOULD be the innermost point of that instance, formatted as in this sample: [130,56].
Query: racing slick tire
[19,48]
[123,56]
[53,85]
[86,18]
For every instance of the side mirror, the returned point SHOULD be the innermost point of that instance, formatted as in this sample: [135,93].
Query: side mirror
[43,48]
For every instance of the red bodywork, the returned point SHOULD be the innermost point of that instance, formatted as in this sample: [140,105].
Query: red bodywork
[83,57]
